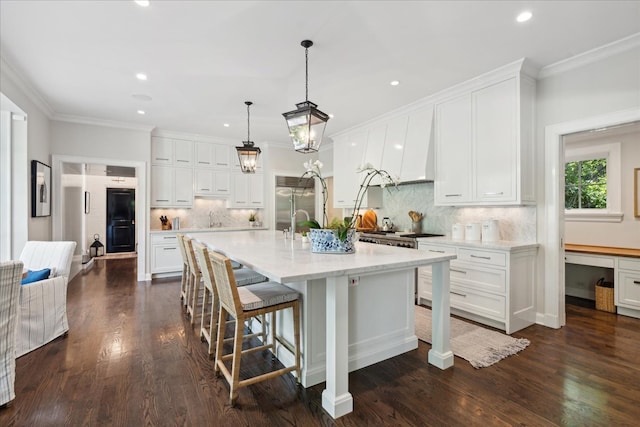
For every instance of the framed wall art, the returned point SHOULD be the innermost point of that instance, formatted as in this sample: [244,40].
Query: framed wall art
[40,189]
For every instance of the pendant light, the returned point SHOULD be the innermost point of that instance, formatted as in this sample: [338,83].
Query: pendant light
[248,154]
[306,123]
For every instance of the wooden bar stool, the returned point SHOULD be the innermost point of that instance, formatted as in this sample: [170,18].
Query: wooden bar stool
[186,273]
[210,301]
[195,277]
[245,302]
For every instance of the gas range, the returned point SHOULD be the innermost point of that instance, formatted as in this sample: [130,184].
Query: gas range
[390,238]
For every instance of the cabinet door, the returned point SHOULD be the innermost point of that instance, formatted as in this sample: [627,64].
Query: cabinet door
[417,158]
[221,183]
[204,155]
[257,191]
[347,156]
[453,151]
[162,185]
[628,289]
[241,196]
[496,141]
[183,152]
[221,156]
[161,151]
[165,258]
[204,182]
[183,187]
[375,145]
[394,145]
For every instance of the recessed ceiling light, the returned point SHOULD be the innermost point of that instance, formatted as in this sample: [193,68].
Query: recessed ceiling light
[143,3]
[226,125]
[524,16]
[141,112]
[395,83]
[141,97]
[141,76]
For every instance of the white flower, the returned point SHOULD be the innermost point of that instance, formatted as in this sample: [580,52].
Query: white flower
[307,165]
[318,164]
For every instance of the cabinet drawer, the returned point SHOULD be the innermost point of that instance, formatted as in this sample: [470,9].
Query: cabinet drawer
[165,258]
[628,289]
[486,305]
[629,264]
[441,249]
[478,278]
[482,257]
[164,238]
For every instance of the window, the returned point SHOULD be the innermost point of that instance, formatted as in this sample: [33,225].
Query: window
[592,182]
[585,184]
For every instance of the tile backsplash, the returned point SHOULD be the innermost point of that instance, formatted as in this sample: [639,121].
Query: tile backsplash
[198,216]
[517,223]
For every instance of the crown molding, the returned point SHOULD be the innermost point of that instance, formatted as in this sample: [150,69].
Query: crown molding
[590,56]
[101,122]
[9,72]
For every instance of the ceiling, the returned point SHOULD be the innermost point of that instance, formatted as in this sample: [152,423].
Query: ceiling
[205,58]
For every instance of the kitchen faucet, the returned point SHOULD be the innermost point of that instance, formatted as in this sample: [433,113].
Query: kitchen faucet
[211,222]
[293,221]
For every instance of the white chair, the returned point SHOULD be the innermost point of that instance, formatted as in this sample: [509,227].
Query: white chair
[42,315]
[10,275]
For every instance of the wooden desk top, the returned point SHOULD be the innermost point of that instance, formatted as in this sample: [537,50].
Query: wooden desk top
[602,250]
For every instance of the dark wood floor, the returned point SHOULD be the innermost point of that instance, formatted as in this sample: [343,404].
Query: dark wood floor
[131,359]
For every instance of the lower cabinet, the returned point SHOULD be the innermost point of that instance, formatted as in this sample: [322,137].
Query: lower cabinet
[165,253]
[490,286]
[627,290]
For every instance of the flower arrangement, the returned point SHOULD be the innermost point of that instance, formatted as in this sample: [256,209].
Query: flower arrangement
[341,228]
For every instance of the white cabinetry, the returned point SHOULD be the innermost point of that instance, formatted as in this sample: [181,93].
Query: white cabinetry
[171,186]
[627,290]
[248,191]
[490,286]
[212,155]
[394,145]
[417,157]
[165,253]
[484,143]
[212,183]
[347,156]
[161,151]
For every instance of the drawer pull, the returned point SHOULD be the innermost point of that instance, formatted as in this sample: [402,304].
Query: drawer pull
[183,161]
[458,293]
[170,237]
[222,190]
[481,257]
[240,201]
[494,193]
[204,163]
[222,164]
[179,200]
[433,250]
[452,195]
[162,158]
[162,200]
[205,189]
[170,249]
[458,271]
[636,282]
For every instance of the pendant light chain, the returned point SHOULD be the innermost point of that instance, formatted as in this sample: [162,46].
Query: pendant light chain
[306,73]
[248,131]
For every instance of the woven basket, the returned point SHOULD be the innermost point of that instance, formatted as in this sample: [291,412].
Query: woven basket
[604,296]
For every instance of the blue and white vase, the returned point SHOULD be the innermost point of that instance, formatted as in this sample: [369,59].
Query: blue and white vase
[325,241]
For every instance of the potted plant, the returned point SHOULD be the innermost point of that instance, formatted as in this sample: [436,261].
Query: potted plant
[252,219]
[340,236]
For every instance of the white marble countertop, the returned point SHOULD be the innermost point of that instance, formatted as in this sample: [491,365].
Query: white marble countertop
[207,230]
[503,245]
[285,261]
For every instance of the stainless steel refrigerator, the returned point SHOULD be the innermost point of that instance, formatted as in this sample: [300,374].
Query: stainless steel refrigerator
[305,199]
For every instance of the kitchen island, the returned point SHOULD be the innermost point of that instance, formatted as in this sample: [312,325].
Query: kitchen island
[357,309]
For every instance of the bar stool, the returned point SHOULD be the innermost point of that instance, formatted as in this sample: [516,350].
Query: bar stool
[186,273]
[245,302]
[210,302]
[195,277]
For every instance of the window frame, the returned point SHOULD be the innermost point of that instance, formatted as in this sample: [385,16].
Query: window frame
[610,152]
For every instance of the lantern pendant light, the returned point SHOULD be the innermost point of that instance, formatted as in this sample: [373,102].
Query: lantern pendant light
[306,123]
[248,154]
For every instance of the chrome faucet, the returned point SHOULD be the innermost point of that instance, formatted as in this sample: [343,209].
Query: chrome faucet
[293,221]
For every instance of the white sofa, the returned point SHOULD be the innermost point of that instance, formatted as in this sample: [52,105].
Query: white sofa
[10,275]
[42,314]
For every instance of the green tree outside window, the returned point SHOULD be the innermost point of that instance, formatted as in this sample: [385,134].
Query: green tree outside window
[586,184]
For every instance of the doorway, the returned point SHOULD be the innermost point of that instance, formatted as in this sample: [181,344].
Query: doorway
[552,226]
[121,220]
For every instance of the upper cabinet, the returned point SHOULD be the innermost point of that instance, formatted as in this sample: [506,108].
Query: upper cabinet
[484,153]
[348,153]
[212,155]
[171,152]
[417,154]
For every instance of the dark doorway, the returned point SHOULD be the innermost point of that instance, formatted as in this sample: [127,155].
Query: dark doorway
[121,220]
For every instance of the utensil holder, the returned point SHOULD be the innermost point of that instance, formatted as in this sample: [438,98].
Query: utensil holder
[416,227]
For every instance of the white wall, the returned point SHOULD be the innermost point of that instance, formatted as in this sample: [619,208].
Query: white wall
[625,234]
[38,148]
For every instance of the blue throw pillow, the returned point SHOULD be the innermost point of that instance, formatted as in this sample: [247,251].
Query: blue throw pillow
[34,276]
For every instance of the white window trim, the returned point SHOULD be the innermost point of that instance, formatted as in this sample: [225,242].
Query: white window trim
[611,152]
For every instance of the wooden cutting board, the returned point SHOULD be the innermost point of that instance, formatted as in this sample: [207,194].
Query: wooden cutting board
[369,220]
